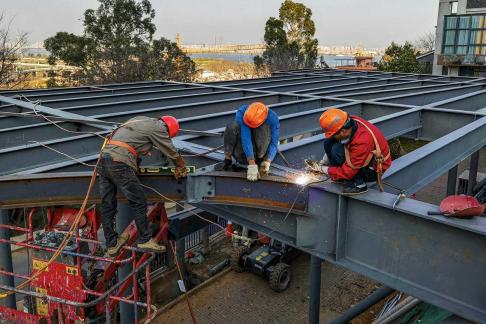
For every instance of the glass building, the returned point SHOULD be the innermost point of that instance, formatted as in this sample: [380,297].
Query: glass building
[465,34]
[460,47]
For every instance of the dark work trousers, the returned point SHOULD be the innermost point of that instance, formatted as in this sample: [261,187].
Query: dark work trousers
[260,138]
[335,152]
[114,176]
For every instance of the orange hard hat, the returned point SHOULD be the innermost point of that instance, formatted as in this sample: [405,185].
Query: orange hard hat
[332,120]
[172,125]
[255,115]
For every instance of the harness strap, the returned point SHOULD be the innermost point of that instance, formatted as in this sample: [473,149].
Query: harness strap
[376,153]
[124,145]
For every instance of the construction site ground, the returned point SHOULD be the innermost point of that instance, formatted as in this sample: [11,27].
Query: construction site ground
[246,298]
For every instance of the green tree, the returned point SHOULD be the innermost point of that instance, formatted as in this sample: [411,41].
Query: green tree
[400,58]
[289,40]
[118,46]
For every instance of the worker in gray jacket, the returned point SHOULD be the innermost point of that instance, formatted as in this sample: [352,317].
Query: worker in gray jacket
[118,169]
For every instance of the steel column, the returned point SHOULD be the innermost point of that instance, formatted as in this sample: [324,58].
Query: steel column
[363,305]
[452,181]
[6,259]
[123,218]
[314,289]
[473,172]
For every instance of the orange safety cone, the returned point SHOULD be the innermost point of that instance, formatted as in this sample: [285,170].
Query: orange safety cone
[229,229]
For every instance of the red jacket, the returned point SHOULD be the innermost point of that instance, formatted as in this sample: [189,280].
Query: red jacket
[360,148]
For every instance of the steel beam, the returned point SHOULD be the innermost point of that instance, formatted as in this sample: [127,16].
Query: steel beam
[82,90]
[364,234]
[46,131]
[50,111]
[416,169]
[35,155]
[110,97]
[310,85]
[379,94]
[472,101]
[70,188]
[426,98]
[348,89]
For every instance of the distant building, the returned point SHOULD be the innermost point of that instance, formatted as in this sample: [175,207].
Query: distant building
[460,44]
[426,60]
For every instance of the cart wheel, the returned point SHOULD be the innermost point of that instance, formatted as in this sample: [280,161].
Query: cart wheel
[236,261]
[280,277]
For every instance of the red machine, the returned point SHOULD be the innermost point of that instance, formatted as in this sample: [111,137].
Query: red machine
[79,285]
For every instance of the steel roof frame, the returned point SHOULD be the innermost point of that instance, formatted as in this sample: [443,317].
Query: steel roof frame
[365,233]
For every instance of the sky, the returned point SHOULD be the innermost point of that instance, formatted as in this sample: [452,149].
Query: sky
[372,23]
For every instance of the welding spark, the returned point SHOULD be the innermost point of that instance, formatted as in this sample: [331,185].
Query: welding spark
[302,180]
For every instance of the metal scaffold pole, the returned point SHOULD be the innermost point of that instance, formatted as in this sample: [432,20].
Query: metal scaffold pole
[6,259]
[123,219]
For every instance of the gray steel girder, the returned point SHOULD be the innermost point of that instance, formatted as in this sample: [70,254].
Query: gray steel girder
[438,260]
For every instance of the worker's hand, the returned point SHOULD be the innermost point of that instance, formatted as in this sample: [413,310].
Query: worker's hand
[265,168]
[315,166]
[180,172]
[252,172]
[325,160]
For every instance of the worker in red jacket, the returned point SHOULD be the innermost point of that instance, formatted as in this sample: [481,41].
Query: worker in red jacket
[356,151]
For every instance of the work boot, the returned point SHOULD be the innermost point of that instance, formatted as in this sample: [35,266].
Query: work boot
[151,246]
[355,190]
[228,165]
[120,242]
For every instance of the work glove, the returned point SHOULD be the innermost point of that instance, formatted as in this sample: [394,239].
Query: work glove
[325,160]
[265,168]
[252,172]
[180,170]
[315,166]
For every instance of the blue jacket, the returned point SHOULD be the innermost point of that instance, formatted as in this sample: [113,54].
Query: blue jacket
[272,121]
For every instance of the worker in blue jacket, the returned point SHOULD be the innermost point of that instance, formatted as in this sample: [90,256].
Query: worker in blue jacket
[252,138]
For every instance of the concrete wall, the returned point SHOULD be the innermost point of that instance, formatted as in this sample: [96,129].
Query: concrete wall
[444,9]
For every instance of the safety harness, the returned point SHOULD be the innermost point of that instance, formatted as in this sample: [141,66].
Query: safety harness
[376,153]
[110,141]
[123,144]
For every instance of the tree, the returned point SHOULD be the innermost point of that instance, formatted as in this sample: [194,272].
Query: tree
[11,48]
[118,46]
[426,42]
[289,40]
[400,58]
